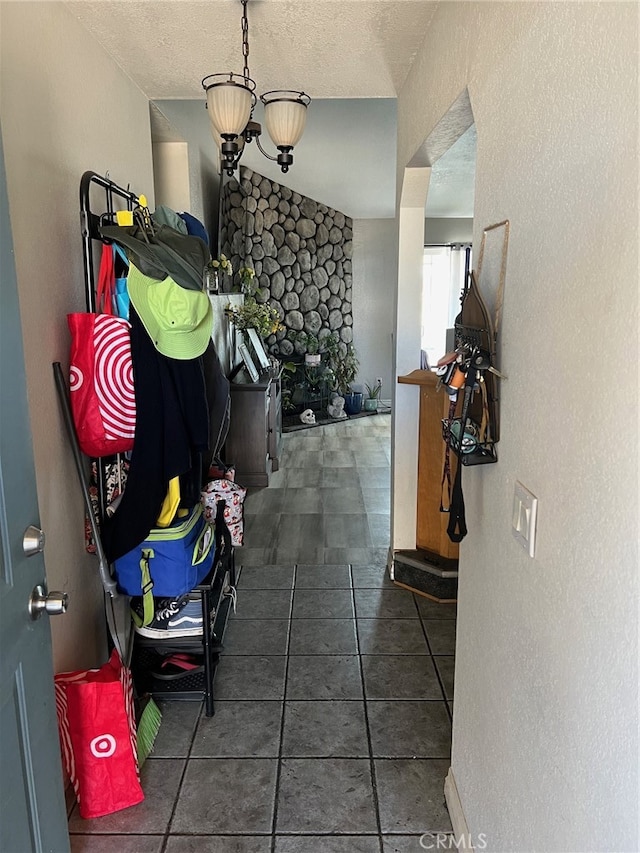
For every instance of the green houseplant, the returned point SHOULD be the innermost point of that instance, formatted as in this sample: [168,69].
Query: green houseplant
[252,315]
[346,370]
[373,395]
[312,346]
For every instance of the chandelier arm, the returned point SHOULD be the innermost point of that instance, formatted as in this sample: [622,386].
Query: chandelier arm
[262,151]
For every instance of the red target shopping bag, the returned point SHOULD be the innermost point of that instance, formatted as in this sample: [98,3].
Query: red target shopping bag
[101,373]
[97,729]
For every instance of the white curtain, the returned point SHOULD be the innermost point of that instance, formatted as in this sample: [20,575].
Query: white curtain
[442,283]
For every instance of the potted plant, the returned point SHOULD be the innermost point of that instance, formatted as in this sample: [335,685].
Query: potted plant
[252,315]
[346,370]
[214,272]
[314,381]
[248,285]
[373,395]
[312,346]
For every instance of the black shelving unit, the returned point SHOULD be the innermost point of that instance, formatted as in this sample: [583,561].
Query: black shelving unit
[218,590]
[217,593]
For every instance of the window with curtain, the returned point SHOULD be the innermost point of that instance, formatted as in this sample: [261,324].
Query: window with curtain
[442,282]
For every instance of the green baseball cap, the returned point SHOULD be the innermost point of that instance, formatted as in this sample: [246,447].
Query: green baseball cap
[178,321]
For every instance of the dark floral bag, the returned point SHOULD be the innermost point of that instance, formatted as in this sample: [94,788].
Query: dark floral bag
[115,479]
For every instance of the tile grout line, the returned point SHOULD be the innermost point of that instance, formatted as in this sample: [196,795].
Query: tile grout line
[168,833]
[276,792]
[433,662]
[374,785]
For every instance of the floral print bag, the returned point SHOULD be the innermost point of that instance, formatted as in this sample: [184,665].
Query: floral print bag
[233,495]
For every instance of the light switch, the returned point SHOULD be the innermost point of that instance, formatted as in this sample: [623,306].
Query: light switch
[523,521]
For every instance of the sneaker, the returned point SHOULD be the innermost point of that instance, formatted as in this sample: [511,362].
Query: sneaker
[173,617]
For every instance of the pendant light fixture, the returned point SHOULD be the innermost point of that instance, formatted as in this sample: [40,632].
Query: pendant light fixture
[231,99]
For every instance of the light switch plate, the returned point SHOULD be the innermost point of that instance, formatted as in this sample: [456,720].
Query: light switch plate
[523,522]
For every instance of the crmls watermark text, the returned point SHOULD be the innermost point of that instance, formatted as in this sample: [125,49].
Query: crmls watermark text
[445,841]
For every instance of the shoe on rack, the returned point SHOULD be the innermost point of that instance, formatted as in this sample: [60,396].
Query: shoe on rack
[172,618]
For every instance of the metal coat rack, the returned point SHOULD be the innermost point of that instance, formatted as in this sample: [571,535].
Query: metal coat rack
[90,222]
[215,597]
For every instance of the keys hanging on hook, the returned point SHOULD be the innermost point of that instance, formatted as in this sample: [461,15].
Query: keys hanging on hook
[497,373]
[481,360]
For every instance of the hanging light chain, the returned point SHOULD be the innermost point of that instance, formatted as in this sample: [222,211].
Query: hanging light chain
[231,115]
[245,39]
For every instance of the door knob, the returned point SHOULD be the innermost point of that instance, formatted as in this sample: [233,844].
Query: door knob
[33,541]
[51,603]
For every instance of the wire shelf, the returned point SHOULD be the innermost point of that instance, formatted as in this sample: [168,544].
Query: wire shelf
[481,452]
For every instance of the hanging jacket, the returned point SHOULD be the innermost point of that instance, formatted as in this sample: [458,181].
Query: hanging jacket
[194,226]
[172,439]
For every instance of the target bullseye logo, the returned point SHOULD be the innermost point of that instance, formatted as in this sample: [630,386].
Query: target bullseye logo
[114,377]
[75,378]
[103,746]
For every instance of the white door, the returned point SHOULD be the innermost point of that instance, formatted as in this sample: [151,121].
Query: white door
[32,809]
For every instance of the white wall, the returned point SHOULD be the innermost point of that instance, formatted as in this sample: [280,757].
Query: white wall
[407,345]
[171,175]
[439,231]
[190,120]
[545,717]
[374,259]
[345,158]
[66,108]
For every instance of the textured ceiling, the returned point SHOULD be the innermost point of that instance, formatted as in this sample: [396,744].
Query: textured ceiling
[453,177]
[328,48]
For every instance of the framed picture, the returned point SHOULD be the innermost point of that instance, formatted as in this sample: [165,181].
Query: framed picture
[492,266]
[258,348]
[248,362]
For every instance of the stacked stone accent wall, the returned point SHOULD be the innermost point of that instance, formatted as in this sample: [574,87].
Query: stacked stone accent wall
[301,251]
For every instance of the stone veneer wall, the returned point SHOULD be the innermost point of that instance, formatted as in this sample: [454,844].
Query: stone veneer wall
[301,251]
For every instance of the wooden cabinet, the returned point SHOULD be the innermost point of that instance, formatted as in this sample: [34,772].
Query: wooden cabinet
[431,533]
[432,569]
[275,423]
[255,432]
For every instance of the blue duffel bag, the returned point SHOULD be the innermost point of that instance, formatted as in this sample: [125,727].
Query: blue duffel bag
[170,562]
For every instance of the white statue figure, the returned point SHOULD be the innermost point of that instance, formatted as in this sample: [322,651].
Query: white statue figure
[335,409]
[308,417]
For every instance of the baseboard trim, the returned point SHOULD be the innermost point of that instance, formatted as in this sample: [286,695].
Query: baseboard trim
[425,594]
[458,820]
[390,562]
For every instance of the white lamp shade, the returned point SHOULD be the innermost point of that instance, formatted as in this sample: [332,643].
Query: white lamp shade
[285,121]
[219,140]
[229,106]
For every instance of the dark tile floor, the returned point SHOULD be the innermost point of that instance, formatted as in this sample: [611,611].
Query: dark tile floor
[332,728]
